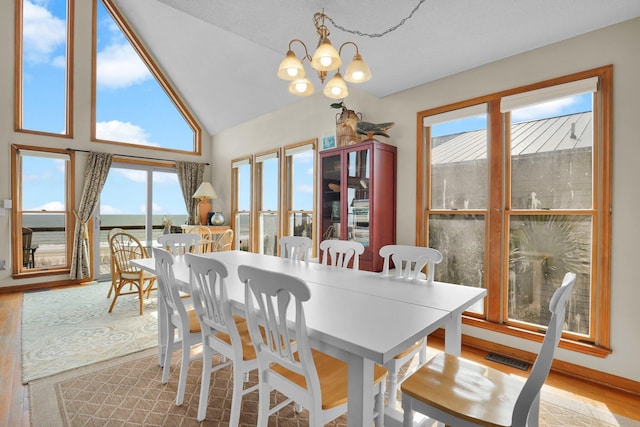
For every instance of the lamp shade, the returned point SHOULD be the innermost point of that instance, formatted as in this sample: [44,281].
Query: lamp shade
[336,88]
[205,191]
[358,71]
[301,87]
[291,68]
[326,57]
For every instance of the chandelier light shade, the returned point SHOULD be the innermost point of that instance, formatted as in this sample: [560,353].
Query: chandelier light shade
[326,58]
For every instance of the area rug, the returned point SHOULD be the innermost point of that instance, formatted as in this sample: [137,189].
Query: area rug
[63,329]
[127,391]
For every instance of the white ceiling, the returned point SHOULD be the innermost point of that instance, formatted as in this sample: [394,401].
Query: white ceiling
[222,55]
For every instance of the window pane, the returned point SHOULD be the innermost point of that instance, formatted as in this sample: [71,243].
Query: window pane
[44,216]
[270,184]
[460,239]
[244,187]
[131,106]
[542,248]
[302,176]
[459,164]
[44,66]
[358,196]
[122,209]
[269,233]
[551,155]
[168,202]
[301,224]
[242,231]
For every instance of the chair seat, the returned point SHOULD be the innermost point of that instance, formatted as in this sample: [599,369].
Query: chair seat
[332,373]
[134,276]
[194,323]
[411,349]
[478,393]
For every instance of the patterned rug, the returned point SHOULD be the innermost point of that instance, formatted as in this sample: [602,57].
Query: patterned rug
[63,329]
[127,391]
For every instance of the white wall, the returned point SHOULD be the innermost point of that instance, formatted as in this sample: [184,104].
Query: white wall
[617,45]
[81,122]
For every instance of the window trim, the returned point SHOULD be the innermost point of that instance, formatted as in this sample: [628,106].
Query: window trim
[257,194]
[16,212]
[18,71]
[155,71]
[497,217]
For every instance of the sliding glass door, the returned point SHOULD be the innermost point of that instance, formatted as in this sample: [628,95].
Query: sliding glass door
[138,199]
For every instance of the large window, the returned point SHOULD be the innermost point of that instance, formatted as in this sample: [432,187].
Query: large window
[299,190]
[43,220]
[45,59]
[267,202]
[241,193]
[133,103]
[515,192]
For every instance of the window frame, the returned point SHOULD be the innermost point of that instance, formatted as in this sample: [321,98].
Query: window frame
[287,185]
[258,194]
[499,211]
[235,163]
[155,71]
[18,75]
[16,194]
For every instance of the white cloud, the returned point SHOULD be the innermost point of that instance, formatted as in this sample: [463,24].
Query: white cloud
[51,206]
[115,130]
[310,171]
[109,210]
[119,66]
[43,33]
[133,175]
[304,188]
[546,109]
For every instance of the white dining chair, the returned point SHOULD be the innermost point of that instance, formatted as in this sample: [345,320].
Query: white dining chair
[295,247]
[287,363]
[460,392]
[408,262]
[222,332]
[339,253]
[180,243]
[178,319]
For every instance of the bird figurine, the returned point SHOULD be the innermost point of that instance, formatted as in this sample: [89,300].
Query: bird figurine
[370,129]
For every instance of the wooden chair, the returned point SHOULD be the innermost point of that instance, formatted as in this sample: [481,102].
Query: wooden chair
[28,250]
[287,363]
[180,243]
[224,242]
[112,266]
[295,247]
[459,392]
[206,241]
[408,262]
[178,319]
[222,332]
[125,247]
[339,253]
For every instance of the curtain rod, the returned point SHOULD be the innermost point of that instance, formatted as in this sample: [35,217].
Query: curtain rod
[129,155]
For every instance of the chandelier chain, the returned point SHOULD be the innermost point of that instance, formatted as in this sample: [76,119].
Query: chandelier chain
[374,35]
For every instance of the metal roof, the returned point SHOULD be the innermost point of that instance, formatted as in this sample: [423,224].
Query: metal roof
[536,136]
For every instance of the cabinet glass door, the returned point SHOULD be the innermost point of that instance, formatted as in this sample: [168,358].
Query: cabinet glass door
[358,196]
[331,188]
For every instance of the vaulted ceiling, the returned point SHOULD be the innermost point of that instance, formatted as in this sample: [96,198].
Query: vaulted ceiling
[222,55]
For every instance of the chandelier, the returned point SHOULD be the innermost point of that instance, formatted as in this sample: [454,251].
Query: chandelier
[325,59]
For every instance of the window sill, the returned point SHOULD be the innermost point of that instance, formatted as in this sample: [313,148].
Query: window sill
[572,345]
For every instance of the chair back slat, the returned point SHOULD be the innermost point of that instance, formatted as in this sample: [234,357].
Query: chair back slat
[180,243]
[166,283]
[295,247]
[410,260]
[339,253]
[124,248]
[224,242]
[541,367]
[206,240]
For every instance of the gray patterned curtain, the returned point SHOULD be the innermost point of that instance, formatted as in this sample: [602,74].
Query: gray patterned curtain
[95,175]
[190,175]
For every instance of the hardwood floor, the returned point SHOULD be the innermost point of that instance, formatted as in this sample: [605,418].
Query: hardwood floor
[14,397]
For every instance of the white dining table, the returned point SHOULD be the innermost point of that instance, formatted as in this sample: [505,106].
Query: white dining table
[357,316]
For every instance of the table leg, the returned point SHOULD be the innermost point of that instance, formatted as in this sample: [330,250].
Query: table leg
[360,394]
[453,335]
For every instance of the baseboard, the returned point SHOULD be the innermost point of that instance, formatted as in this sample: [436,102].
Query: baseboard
[566,368]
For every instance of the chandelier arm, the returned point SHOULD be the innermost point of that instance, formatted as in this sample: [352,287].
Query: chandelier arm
[306,52]
[346,43]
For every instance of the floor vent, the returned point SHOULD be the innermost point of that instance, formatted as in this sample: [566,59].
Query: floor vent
[509,361]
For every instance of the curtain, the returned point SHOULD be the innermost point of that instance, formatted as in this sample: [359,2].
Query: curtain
[95,175]
[190,175]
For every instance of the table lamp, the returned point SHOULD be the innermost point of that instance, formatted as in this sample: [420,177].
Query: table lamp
[204,193]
